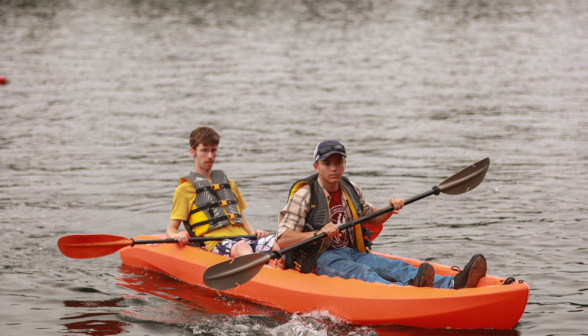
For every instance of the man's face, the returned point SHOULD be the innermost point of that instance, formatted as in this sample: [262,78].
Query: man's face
[331,169]
[204,155]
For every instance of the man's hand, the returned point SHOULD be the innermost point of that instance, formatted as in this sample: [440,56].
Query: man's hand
[398,203]
[261,233]
[181,237]
[331,230]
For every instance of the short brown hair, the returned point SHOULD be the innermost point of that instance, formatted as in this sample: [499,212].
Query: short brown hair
[204,135]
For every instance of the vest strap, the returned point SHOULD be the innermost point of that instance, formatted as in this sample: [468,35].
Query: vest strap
[214,187]
[215,220]
[222,203]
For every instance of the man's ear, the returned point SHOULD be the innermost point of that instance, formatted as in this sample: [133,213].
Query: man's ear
[315,165]
[192,152]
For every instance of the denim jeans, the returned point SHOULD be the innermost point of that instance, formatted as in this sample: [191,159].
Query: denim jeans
[348,263]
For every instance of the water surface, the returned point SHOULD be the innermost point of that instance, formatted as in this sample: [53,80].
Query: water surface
[103,94]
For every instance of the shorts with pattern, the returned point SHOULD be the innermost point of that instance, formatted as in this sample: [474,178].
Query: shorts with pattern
[263,245]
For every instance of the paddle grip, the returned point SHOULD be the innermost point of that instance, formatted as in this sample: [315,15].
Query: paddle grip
[275,254]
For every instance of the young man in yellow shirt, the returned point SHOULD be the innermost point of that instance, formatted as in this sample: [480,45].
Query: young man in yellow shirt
[210,204]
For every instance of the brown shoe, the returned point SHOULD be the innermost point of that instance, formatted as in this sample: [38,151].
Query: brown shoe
[471,274]
[425,276]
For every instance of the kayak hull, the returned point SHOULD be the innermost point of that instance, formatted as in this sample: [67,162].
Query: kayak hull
[491,305]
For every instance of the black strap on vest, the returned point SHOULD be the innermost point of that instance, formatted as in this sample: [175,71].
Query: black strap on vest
[216,220]
[210,205]
[214,187]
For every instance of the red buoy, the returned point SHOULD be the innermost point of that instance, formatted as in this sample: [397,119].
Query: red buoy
[3,80]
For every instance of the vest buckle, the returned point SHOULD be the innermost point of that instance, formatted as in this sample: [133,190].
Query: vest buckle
[231,216]
[223,203]
[297,266]
[216,187]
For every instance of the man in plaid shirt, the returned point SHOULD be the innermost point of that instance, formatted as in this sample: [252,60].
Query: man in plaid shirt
[345,253]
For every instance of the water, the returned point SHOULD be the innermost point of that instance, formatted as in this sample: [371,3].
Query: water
[103,95]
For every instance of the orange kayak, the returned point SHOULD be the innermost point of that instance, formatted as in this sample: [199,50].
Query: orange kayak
[491,305]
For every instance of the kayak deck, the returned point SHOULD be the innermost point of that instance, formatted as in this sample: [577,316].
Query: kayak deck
[491,305]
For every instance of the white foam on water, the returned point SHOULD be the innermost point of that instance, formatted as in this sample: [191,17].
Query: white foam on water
[317,323]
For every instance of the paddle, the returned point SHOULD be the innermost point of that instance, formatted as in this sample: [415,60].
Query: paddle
[234,272]
[99,245]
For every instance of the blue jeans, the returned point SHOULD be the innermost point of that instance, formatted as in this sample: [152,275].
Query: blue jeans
[348,263]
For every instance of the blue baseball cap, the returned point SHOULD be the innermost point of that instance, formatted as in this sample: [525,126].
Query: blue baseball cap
[328,147]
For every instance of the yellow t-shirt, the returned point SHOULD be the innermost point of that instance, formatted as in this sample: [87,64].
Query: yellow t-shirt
[184,198]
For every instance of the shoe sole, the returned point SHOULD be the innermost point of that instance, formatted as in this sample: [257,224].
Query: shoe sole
[477,272]
[427,276]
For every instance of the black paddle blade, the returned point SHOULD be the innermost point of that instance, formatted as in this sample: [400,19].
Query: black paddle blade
[466,179]
[234,272]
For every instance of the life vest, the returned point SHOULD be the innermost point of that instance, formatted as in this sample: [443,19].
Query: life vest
[215,205]
[318,216]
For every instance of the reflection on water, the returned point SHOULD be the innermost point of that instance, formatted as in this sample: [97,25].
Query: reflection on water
[200,300]
[403,331]
[118,302]
[93,326]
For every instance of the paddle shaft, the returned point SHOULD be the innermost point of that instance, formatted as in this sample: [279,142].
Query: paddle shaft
[278,254]
[190,240]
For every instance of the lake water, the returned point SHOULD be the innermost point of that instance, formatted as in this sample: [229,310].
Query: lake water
[103,94]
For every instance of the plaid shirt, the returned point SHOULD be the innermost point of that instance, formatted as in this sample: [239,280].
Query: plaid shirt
[293,216]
